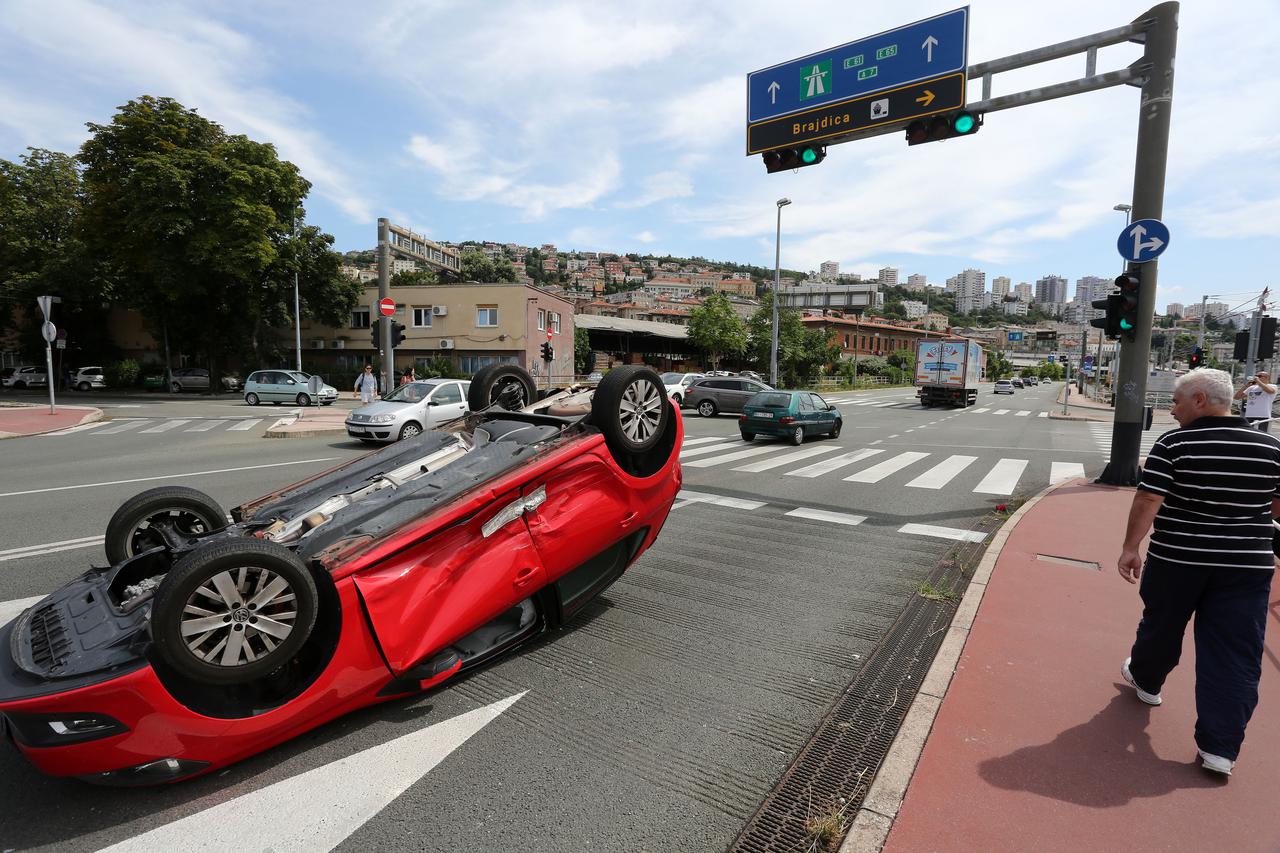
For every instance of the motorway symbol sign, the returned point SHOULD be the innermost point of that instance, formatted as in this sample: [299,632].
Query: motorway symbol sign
[912,53]
[1143,240]
[386,306]
[1016,336]
[1050,358]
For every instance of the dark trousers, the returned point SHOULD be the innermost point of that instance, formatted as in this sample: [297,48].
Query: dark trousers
[1230,606]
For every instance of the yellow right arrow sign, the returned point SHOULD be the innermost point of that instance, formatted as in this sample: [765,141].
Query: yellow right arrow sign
[926,98]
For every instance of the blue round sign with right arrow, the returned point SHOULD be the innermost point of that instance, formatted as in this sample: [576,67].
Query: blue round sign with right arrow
[1143,240]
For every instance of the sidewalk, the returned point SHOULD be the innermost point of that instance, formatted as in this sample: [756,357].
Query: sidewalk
[17,419]
[1038,744]
[313,420]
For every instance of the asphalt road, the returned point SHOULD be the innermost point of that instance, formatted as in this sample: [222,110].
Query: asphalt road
[657,721]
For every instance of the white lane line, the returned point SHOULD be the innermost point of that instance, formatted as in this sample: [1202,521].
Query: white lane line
[1043,415]
[712,461]
[823,515]
[1060,471]
[690,442]
[826,466]
[249,424]
[885,405]
[942,532]
[1003,478]
[167,477]
[49,548]
[10,609]
[878,472]
[942,473]
[205,426]
[778,461]
[1023,413]
[69,430]
[1002,411]
[710,448]
[121,425]
[689,497]
[166,426]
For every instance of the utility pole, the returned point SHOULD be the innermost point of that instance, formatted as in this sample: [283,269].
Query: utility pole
[297,313]
[777,283]
[1204,300]
[1255,335]
[384,290]
[1160,46]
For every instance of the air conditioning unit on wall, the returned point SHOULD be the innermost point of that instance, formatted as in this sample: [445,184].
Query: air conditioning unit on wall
[440,310]
[339,344]
[446,343]
[317,343]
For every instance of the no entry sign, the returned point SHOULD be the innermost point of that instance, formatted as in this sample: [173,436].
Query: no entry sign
[386,307]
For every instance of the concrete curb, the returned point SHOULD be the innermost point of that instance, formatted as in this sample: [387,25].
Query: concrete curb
[873,822]
[91,416]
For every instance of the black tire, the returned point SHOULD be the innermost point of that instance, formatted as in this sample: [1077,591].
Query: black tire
[192,512]
[410,429]
[631,408]
[835,430]
[251,399]
[176,388]
[748,436]
[797,436]
[302,400]
[707,409]
[83,386]
[506,385]
[246,570]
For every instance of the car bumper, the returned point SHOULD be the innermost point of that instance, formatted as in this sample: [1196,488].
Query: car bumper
[757,426]
[373,432]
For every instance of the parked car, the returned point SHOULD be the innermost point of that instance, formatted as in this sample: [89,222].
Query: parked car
[722,394]
[793,415]
[751,374]
[88,378]
[205,642]
[285,386]
[1031,380]
[27,377]
[153,379]
[1004,386]
[1016,382]
[410,409]
[197,379]
[677,384]
[595,376]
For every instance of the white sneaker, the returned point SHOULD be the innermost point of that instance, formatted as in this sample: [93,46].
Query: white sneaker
[1149,698]
[1216,763]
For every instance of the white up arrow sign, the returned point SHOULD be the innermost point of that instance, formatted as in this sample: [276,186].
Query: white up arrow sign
[773,92]
[1139,247]
[928,47]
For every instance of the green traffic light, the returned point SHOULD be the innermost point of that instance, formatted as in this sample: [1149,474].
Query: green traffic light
[964,123]
[1126,325]
[808,155]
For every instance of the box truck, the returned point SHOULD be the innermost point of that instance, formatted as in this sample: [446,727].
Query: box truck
[948,371]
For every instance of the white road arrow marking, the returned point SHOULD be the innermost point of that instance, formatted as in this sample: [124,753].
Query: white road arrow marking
[928,47]
[773,92]
[319,809]
[9,610]
[1138,232]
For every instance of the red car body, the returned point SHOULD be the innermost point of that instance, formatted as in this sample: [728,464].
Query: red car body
[394,601]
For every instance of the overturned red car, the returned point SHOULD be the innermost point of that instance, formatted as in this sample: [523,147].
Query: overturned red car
[206,641]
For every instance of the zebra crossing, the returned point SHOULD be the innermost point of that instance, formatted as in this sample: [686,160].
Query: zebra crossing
[869,465]
[152,426]
[1101,433]
[913,403]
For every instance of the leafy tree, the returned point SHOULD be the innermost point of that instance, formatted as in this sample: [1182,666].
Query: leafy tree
[714,327]
[903,359]
[801,351]
[477,267]
[414,278]
[438,367]
[998,367]
[582,354]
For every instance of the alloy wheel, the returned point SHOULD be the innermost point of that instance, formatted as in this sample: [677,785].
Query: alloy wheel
[640,410]
[238,616]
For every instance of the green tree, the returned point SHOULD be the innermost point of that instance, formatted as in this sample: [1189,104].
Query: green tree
[715,328]
[801,351]
[438,367]
[582,354]
[414,278]
[477,267]
[903,359]
[998,367]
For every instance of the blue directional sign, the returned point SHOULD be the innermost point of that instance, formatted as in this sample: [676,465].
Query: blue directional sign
[925,49]
[1016,336]
[1143,240]
[1088,361]
[1050,358]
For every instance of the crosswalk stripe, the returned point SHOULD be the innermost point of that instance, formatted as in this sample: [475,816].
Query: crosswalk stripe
[1023,413]
[1043,415]
[204,427]
[250,424]
[878,472]
[685,497]
[942,473]
[711,461]
[690,442]
[826,466]
[980,411]
[1002,411]
[710,448]
[80,428]
[824,515]
[943,532]
[778,461]
[1059,471]
[886,405]
[121,426]
[166,426]
[865,403]
[1003,478]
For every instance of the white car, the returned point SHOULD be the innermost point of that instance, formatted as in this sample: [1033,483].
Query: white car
[88,378]
[27,377]
[409,410]
[1004,386]
[678,384]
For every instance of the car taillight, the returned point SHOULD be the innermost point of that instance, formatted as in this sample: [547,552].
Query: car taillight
[786,420]
[742,417]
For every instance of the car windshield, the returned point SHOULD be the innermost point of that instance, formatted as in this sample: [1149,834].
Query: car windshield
[771,400]
[671,378]
[301,377]
[410,392]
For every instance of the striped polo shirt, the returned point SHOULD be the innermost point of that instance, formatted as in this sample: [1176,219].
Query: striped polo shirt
[1217,476]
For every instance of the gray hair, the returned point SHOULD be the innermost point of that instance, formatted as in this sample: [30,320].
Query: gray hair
[1216,385]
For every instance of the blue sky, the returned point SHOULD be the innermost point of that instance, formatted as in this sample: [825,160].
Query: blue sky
[621,127]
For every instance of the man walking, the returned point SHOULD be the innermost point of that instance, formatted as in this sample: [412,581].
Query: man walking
[366,384]
[1259,396]
[1211,489]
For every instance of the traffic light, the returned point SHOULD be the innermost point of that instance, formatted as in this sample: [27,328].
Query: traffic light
[946,126]
[1196,359]
[1130,285]
[397,333]
[375,332]
[548,353]
[794,158]
[1110,322]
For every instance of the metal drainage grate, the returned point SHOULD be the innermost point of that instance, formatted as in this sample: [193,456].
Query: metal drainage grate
[834,770]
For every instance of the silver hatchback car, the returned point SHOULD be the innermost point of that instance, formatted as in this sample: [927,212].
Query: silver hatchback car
[409,410]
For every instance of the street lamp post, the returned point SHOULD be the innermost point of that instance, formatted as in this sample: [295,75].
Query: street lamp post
[297,313]
[777,282]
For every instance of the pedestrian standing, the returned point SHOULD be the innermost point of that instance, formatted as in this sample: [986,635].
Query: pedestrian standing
[1210,488]
[366,385]
[404,377]
[1259,396]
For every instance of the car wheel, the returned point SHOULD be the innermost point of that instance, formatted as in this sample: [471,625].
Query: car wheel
[409,430]
[231,612]
[134,527]
[251,399]
[176,388]
[707,409]
[835,430]
[83,386]
[797,436]
[748,436]
[630,407]
[507,385]
[679,398]
[302,400]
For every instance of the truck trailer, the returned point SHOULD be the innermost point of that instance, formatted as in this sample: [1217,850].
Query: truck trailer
[948,372]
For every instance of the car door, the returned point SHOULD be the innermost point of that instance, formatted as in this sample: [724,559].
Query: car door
[441,589]
[445,404]
[825,419]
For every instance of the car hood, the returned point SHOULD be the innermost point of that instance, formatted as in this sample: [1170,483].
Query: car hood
[383,407]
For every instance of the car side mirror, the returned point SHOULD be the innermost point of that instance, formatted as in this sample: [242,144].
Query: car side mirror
[831,408]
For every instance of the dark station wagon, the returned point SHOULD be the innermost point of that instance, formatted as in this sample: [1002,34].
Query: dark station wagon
[792,415]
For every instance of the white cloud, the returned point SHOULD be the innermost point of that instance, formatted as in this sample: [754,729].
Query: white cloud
[646,237]
[660,187]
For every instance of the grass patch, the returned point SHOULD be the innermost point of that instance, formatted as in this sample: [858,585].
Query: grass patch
[934,593]
[825,829]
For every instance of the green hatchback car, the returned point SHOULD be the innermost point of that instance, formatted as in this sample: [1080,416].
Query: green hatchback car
[793,415]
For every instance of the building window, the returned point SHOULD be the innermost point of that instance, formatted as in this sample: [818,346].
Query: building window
[422,317]
[472,363]
[360,318]
[542,319]
[486,315]
[846,341]
[555,322]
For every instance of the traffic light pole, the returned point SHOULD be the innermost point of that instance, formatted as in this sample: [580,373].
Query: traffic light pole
[384,290]
[1161,39]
